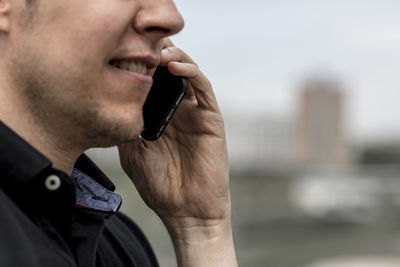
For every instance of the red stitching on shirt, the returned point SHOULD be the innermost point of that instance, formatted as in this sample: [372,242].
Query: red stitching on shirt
[83,207]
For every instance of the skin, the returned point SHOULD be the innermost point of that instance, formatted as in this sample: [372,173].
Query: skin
[59,93]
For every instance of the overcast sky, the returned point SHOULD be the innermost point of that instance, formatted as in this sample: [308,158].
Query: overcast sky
[258,52]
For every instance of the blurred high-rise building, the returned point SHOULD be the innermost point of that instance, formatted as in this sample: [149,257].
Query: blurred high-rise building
[321,135]
[259,144]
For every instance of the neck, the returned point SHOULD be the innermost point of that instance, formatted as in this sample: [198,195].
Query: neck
[49,141]
[62,155]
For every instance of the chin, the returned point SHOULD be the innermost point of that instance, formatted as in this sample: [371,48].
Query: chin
[126,132]
[113,131]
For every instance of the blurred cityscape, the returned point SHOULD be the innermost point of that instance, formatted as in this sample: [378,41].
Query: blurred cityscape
[317,195]
[313,139]
[303,193]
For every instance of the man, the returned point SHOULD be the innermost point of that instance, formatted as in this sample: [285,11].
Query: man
[63,90]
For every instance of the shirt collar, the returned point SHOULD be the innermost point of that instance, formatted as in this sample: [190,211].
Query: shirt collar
[93,189]
[87,166]
[20,163]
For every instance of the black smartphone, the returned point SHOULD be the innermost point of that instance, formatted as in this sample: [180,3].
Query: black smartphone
[163,99]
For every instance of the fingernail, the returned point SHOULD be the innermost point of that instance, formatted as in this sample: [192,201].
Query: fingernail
[165,51]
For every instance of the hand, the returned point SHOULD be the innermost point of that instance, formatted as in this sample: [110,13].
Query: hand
[183,176]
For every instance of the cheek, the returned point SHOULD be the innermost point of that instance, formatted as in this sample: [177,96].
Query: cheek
[107,23]
[108,31]
[97,28]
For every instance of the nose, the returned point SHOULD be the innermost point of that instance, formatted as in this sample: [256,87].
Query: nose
[158,19]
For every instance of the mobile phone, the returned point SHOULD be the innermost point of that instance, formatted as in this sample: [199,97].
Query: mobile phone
[162,101]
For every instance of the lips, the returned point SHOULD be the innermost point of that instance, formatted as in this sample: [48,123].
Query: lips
[130,65]
[134,71]
[134,66]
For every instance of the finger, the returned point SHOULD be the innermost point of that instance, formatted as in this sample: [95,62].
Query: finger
[201,85]
[174,54]
[190,93]
[168,43]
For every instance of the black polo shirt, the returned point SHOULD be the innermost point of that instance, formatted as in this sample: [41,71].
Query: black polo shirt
[48,218]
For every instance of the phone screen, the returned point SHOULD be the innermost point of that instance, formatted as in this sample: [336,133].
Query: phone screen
[163,99]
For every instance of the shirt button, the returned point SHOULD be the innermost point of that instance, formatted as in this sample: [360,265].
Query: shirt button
[52,182]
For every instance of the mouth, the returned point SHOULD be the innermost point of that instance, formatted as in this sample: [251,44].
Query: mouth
[130,65]
[136,70]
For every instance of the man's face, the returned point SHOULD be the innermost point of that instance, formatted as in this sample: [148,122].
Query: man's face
[67,58]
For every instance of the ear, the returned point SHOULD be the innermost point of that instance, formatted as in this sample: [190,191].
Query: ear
[5,6]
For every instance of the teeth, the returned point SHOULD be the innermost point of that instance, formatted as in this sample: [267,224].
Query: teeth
[134,66]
